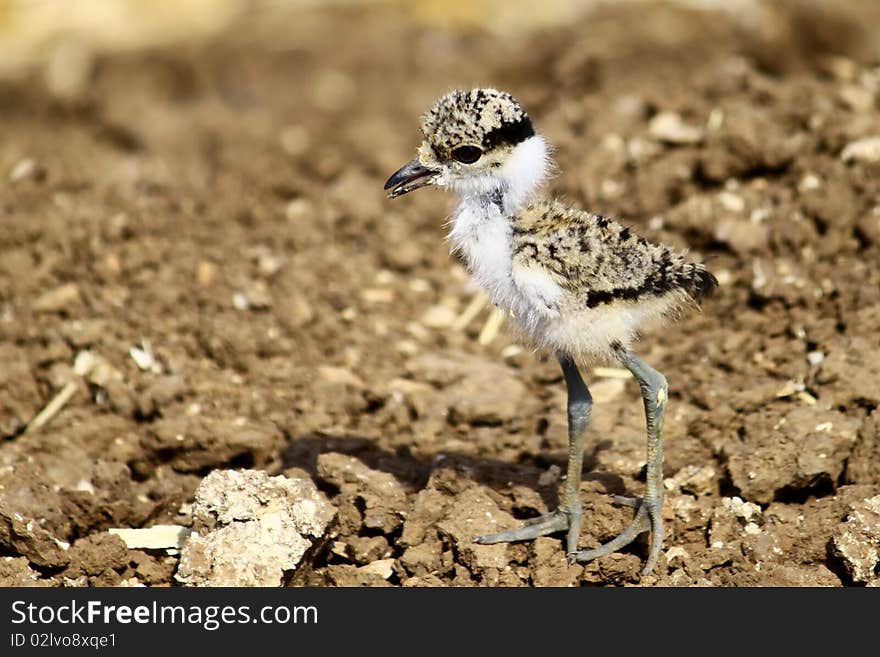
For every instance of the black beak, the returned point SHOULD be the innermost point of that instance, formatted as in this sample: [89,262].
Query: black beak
[410,176]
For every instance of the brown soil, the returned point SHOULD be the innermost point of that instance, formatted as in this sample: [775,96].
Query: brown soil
[222,204]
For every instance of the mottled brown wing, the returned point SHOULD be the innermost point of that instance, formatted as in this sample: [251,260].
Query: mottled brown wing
[601,260]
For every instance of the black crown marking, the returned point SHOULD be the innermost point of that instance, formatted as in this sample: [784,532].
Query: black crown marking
[511,133]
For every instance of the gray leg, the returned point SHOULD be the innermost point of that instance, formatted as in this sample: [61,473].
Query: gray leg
[649,516]
[568,515]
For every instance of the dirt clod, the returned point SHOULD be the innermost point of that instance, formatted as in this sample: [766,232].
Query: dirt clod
[25,536]
[857,540]
[379,494]
[803,448]
[251,528]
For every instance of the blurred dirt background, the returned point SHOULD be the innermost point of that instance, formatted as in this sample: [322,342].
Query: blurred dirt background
[196,255]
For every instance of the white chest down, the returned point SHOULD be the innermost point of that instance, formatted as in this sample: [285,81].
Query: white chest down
[538,304]
[483,236]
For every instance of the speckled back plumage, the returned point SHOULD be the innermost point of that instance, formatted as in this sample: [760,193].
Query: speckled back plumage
[600,260]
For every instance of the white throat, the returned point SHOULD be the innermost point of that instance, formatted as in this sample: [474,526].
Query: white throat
[482,224]
[511,185]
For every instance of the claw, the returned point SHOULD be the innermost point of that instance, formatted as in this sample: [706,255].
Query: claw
[645,520]
[623,500]
[533,528]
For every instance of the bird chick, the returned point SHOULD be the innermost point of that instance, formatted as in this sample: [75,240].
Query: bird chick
[576,284]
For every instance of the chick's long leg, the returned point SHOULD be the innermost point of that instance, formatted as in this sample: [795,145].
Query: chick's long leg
[649,515]
[568,515]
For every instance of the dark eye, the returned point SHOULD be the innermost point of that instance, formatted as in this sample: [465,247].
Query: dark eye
[467,154]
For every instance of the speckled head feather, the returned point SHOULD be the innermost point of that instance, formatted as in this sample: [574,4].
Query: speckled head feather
[480,117]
